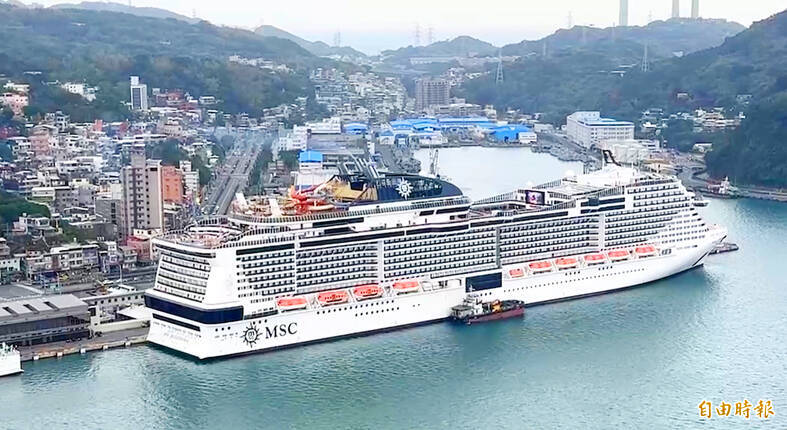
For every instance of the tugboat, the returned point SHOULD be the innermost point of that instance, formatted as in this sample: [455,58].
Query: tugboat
[474,310]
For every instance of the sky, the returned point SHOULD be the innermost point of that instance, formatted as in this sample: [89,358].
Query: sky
[372,26]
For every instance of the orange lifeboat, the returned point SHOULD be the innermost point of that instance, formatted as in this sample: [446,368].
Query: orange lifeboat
[645,250]
[291,303]
[566,263]
[591,259]
[371,291]
[402,287]
[618,255]
[540,266]
[516,273]
[335,297]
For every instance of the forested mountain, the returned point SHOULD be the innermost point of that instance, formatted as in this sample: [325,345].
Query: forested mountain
[756,153]
[149,12]
[585,70]
[104,48]
[461,46]
[664,38]
[317,48]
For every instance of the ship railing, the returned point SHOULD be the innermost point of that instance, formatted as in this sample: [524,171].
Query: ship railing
[332,215]
[495,199]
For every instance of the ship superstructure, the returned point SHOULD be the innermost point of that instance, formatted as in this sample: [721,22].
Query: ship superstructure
[371,251]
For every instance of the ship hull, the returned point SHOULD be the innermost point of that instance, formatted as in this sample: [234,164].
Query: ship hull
[288,329]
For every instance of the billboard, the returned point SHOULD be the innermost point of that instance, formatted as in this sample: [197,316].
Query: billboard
[535,197]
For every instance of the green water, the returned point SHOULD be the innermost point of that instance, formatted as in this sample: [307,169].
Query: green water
[641,358]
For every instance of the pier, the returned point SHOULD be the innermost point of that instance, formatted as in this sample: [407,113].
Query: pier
[124,338]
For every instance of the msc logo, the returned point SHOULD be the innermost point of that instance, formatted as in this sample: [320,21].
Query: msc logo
[251,335]
[281,330]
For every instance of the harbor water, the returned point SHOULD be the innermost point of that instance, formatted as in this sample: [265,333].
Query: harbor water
[640,358]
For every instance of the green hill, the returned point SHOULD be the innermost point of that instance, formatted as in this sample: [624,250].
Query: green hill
[583,68]
[104,48]
[150,12]
[664,38]
[317,48]
[462,46]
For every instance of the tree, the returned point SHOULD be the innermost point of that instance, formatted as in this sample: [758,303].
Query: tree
[169,153]
[6,152]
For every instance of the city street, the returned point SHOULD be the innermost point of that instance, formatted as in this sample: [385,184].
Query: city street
[232,176]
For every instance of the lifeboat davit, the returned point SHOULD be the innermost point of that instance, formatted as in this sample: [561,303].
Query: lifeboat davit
[618,255]
[591,259]
[516,273]
[566,263]
[291,303]
[371,291]
[402,287]
[540,266]
[335,297]
[645,250]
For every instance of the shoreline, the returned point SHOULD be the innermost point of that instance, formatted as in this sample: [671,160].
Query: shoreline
[124,338]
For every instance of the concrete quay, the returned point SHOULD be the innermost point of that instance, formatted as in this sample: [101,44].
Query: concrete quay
[118,339]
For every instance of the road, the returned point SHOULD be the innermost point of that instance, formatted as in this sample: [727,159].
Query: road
[232,176]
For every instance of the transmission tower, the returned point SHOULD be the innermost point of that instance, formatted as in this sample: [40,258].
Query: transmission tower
[499,76]
[645,67]
[570,20]
[417,34]
[430,35]
[337,39]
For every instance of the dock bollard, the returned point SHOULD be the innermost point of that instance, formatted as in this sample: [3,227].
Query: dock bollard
[105,347]
[36,357]
[82,350]
[128,343]
[60,354]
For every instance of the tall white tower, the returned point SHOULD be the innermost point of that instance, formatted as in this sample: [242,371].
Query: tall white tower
[695,9]
[624,13]
[676,8]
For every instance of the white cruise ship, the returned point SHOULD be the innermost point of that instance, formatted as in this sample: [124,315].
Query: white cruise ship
[371,252]
[10,360]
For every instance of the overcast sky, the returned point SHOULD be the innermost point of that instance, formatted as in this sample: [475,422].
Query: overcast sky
[372,26]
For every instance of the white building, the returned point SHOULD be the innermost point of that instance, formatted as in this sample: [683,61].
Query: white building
[139,95]
[294,140]
[331,125]
[590,129]
[80,89]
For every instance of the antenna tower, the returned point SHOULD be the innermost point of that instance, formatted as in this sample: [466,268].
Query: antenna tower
[570,20]
[430,35]
[417,34]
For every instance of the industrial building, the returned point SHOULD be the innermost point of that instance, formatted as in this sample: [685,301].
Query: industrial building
[44,319]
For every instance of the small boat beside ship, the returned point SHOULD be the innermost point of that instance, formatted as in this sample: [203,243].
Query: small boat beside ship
[474,310]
